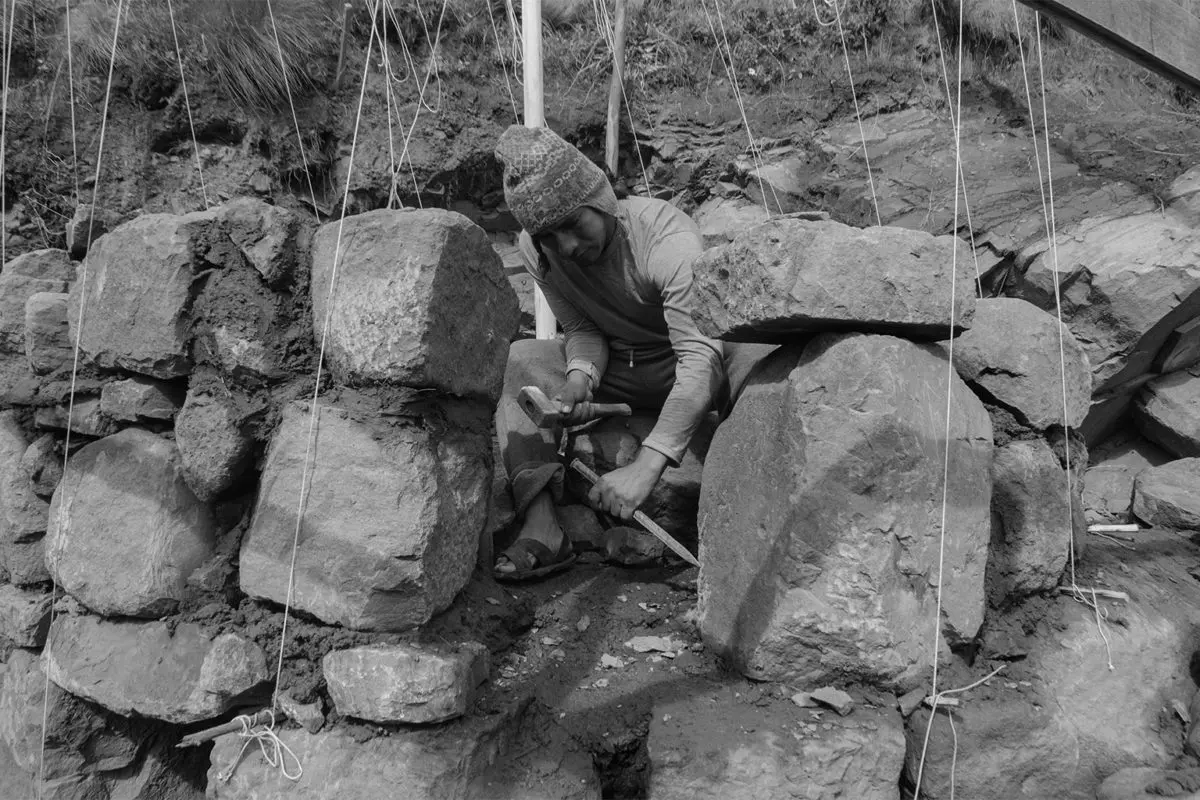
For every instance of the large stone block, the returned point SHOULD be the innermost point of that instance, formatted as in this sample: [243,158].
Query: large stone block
[417,764]
[859,756]
[821,514]
[405,683]
[177,674]
[125,530]
[392,517]
[139,284]
[47,332]
[1080,705]
[1012,355]
[24,514]
[136,399]
[1168,412]
[214,449]
[1169,496]
[789,276]
[1125,284]
[272,239]
[1034,520]
[421,300]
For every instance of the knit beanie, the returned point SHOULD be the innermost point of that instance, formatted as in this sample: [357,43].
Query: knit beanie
[546,179]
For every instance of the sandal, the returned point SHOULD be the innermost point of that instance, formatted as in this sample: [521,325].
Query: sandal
[534,560]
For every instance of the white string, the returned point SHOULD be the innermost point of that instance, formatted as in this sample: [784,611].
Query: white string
[306,470]
[273,749]
[934,700]
[82,283]
[956,123]
[11,22]
[71,97]
[430,69]
[503,63]
[187,103]
[287,88]
[837,12]
[950,374]
[385,53]
[731,73]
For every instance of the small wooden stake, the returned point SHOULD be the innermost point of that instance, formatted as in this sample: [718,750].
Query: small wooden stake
[235,725]
[612,141]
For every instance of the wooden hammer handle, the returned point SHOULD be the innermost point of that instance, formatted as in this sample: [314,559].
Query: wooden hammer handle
[591,410]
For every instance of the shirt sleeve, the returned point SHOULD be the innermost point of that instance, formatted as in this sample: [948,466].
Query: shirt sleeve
[586,347]
[699,367]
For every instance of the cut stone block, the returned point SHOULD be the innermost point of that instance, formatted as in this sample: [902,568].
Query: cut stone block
[1168,412]
[23,277]
[1034,520]
[24,616]
[47,332]
[788,277]
[820,514]
[125,530]
[23,515]
[1169,496]
[25,562]
[858,756]
[214,449]
[43,463]
[405,683]
[140,282]
[1181,350]
[137,399]
[1108,482]
[175,673]
[419,295]
[392,516]
[1011,355]
[1126,284]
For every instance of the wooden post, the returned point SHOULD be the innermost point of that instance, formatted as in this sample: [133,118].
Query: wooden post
[531,42]
[612,142]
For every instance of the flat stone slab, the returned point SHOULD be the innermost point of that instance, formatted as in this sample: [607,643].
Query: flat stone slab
[131,557]
[721,748]
[790,277]
[181,675]
[1169,496]
[420,294]
[135,399]
[819,522]
[392,521]
[405,683]
[1168,412]
[1012,354]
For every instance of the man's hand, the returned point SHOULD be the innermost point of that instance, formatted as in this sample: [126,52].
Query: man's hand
[572,393]
[623,490]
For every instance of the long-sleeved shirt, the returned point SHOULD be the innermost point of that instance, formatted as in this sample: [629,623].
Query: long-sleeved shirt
[635,303]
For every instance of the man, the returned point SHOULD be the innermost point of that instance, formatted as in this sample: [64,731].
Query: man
[618,276]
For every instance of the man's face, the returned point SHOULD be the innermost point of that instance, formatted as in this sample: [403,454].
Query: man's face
[580,238]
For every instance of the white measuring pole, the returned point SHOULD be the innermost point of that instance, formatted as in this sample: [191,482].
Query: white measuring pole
[531,42]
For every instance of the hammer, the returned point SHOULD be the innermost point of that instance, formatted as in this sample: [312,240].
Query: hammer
[545,413]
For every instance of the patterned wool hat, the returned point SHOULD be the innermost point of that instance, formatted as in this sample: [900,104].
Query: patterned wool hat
[546,179]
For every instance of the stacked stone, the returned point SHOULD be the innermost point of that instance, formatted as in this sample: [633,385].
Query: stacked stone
[195,365]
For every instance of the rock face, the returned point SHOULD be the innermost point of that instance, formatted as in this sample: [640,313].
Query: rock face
[771,753]
[392,519]
[143,276]
[1034,516]
[820,513]
[214,450]
[791,276]
[419,295]
[24,514]
[1012,354]
[1076,720]
[1108,482]
[431,764]
[1169,496]
[125,530]
[1168,412]
[24,616]
[128,667]
[1126,283]
[405,683]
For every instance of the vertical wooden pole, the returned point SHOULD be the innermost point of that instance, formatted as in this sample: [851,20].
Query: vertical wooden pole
[612,142]
[535,117]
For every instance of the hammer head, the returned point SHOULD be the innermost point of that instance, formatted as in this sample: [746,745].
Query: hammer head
[538,407]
